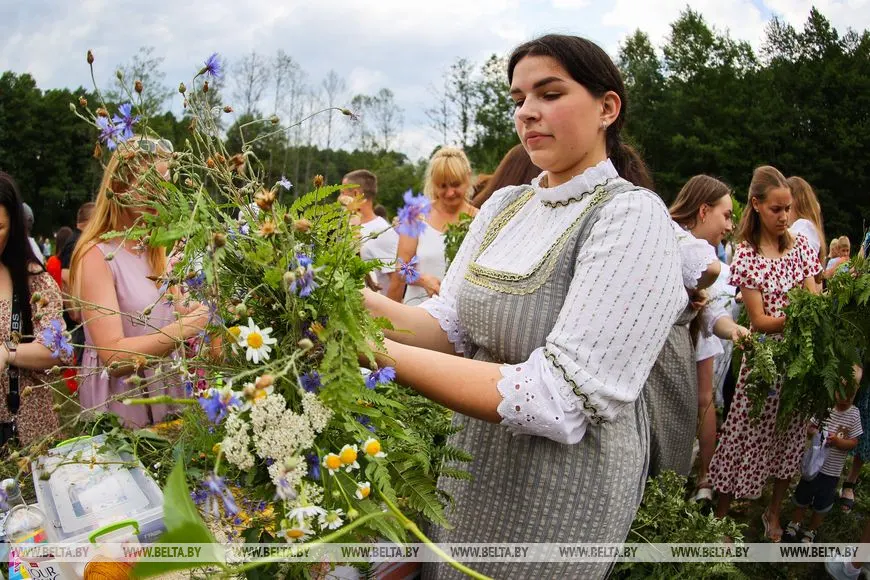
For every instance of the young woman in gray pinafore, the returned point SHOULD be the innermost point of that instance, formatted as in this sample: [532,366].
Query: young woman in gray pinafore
[560,298]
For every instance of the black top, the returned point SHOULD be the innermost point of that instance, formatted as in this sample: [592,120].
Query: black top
[67,251]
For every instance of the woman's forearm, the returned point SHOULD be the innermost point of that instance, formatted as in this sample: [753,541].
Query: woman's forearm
[414,326]
[34,356]
[768,324]
[464,385]
[120,355]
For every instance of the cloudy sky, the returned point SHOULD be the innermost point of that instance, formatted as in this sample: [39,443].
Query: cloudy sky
[400,44]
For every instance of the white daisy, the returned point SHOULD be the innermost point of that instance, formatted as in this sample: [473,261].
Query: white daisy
[297,532]
[332,462]
[363,490]
[348,456]
[306,511]
[331,520]
[372,447]
[256,340]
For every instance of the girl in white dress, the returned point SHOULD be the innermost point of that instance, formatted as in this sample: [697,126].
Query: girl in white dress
[447,182]
[806,215]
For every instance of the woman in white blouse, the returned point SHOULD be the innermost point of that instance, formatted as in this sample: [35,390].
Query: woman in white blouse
[805,217]
[447,182]
[560,299]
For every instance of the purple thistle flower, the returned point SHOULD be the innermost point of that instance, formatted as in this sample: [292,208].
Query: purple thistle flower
[216,490]
[285,183]
[313,465]
[55,339]
[126,121]
[213,67]
[366,422]
[381,376]
[108,133]
[411,217]
[310,381]
[408,270]
[304,284]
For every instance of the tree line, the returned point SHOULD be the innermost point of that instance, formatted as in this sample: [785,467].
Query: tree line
[700,103]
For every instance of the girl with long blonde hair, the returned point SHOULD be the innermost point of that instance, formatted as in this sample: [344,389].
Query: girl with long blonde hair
[806,214]
[119,285]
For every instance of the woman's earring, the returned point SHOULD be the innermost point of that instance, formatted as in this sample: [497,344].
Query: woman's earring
[604,125]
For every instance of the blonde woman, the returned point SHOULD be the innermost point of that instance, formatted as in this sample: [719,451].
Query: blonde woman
[806,215]
[123,309]
[447,183]
[840,254]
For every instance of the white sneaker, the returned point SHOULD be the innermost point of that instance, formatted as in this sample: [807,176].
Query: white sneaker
[842,569]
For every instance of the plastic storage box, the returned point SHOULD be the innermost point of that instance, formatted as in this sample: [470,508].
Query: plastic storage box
[95,494]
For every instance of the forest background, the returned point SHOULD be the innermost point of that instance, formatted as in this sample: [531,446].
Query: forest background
[700,103]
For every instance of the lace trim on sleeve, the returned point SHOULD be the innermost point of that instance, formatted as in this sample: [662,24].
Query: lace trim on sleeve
[697,255]
[449,321]
[531,405]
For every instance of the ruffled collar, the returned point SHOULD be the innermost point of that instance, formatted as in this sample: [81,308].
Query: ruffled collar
[577,186]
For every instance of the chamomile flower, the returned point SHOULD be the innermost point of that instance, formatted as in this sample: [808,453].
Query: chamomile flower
[363,489]
[257,341]
[372,448]
[348,456]
[297,531]
[332,462]
[235,334]
[308,511]
[331,520]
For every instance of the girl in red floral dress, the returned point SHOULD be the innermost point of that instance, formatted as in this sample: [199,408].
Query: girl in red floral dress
[767,264]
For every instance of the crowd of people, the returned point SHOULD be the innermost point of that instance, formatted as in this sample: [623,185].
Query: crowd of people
[594,325]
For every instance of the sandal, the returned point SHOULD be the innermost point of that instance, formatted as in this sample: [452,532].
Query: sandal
[792,532]
[703,491]
[766,521]
[847,503]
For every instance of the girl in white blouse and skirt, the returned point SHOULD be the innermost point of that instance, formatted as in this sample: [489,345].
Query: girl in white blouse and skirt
[559,299]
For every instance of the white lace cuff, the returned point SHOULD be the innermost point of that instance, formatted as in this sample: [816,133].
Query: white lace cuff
[449,321]
[537,402]
[696,255]
[710,315]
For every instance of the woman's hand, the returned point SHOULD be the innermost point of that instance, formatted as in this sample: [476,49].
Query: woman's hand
[429,283]
[698,299]
[4,358]
[739,333]
[196,321]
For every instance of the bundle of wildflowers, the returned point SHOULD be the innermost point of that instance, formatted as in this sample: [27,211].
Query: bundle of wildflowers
[294,425]
[825,335]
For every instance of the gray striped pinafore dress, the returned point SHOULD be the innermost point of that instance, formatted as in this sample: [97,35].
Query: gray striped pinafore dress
[671,395]
[528,488]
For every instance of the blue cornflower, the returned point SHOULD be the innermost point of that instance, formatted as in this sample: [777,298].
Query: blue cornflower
[213,66]
[216,491]
[54,337]
[366,422]
[126,121]
[217,403]
[304,284]
[381,376]
[197,281]
[237,521]
[285,183]
[198,496]
[408,270]
[313,465]
[762,338]
[108,133]
[310,381]
[411,217]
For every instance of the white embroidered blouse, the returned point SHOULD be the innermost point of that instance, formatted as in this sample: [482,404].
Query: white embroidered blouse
[697,254]
[603,360]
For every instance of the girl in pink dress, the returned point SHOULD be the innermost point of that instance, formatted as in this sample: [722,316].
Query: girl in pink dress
[126,318]
[768,263]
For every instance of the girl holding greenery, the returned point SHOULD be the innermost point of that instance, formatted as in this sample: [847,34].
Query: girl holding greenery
[768,263]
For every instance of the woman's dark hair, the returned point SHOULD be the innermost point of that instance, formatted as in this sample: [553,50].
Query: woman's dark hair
[62,236]
[589,65]
[18,255]
[516,168]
